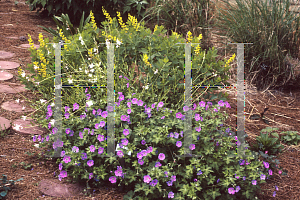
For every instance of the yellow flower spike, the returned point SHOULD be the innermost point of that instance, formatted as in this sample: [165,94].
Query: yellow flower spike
[190,37]
[197,50]
[132,20]
[107,15]
[200,37]
[230,60]
[155,28]
[122,24]
[30,42]
[41,40]
[145,59]
[93,20]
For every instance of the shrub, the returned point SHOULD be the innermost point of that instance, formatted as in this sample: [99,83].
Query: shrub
[75,8]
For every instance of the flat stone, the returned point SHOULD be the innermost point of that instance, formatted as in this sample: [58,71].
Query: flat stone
[4,55]
[28,46]
[27,128]
[54,189]
[8,65]
[14,106]
[4,124]
[12,88]
[5,76]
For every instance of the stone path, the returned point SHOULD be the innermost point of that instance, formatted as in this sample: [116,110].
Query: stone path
[13,88]
[47,187]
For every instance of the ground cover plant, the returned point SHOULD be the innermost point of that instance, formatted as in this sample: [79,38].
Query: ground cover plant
[4,185]
[208,128]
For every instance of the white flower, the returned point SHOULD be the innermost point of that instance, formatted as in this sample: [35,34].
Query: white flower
[80,38]
[37,83]
[35,67]
[18,100]
[23,107]
[82,42]
[91,65]
[52,122]
[24,118]
[89,103]
[80,69]
[89,58]
[86,71]
[23,74]
[90,75]
[36,145]
[156,71]
[119,148]
[52,104]
[95,50]
[48,52]
[118,43]
[146,87]
[70,81]
[92,70]
[107,43]
[42,101]
[17,127]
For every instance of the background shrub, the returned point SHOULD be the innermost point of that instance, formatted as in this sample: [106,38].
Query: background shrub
[75,8]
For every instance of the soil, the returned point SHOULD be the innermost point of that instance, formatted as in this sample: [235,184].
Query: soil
[17,21]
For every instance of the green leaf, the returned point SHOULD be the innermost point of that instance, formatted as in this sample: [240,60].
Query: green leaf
[138,188]
[57,7]
[213,97]
[166,60]
[184,189]
[43,2]
[275,134]
[144,51]
[157,138]
[214,193]
[49,8]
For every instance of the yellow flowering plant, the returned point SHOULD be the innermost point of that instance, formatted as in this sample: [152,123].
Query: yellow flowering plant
[159,57]
[153,54]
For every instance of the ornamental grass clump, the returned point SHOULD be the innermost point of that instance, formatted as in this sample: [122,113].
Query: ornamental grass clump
[272,27]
